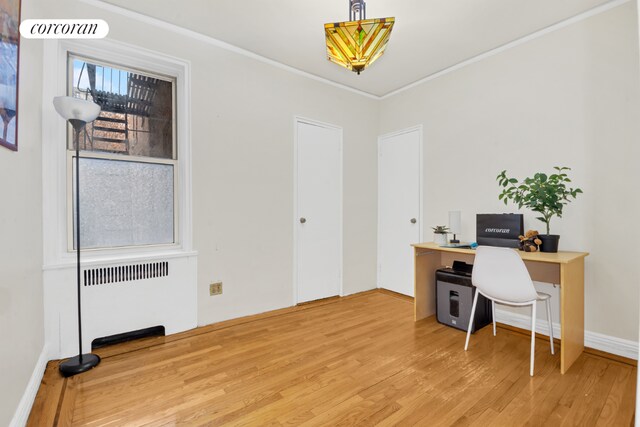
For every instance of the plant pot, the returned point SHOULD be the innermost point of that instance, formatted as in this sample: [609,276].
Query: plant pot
[549,242]
[440,238]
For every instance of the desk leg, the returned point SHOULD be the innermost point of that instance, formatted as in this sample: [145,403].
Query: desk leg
[426,262]
[571,312]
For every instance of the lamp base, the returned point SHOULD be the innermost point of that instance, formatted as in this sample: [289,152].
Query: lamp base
[75,366]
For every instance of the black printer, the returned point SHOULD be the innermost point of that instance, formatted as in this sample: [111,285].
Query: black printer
[454,298]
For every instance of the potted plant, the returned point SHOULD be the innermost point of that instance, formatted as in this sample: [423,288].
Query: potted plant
[440,234]
[544,194]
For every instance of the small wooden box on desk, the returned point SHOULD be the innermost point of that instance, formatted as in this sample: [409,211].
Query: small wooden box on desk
[565,269]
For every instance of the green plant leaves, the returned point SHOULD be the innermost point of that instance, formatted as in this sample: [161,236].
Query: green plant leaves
[542,193]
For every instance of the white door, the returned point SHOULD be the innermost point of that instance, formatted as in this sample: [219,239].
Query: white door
[318,211]
[399,208]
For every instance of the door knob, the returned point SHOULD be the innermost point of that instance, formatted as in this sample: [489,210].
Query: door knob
[303,220]
[413,221]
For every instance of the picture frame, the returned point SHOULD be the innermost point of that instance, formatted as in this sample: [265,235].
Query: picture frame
[9,72]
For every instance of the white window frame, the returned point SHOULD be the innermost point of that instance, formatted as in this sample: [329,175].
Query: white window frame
[57,203]
[121,157]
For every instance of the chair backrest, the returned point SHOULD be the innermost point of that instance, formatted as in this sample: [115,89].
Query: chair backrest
[500,273]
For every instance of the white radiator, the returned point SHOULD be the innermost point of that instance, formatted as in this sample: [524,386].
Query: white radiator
[119,297]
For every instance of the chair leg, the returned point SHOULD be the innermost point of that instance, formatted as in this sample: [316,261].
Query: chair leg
[533,336]
[473,314]
[548,301]
[493,315]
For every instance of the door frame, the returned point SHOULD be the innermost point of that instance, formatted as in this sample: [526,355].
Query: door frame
[420,130]
[297,120]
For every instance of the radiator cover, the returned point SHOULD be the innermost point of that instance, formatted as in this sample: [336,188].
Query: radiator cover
[119,297]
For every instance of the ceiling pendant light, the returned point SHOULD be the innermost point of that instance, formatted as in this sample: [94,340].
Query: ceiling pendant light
[357,43]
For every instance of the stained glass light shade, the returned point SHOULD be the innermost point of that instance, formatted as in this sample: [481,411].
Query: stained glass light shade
[357,44]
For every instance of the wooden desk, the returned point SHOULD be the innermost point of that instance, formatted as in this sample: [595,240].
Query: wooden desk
[563,268]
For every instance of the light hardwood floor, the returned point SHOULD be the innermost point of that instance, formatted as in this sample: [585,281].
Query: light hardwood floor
[359,360]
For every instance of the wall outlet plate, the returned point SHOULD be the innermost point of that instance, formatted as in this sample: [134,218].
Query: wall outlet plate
[215,288]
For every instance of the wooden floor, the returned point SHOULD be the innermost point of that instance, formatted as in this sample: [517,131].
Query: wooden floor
[358,360]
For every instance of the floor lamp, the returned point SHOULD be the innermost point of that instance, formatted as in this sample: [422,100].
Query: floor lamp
[78,113]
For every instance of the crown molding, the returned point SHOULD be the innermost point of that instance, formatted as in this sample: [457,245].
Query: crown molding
[247,53]
[218,43]
[517,42]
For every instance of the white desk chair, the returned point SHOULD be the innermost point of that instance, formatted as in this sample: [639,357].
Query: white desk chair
[501,276]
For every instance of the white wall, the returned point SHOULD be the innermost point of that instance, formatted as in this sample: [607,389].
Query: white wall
[242,148]
[568,98]
[21,311]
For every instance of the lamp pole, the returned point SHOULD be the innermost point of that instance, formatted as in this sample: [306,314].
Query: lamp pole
[78,125]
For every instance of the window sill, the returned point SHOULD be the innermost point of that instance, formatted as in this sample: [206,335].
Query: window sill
[97,260]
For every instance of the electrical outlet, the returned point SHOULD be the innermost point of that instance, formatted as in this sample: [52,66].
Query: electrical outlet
[215,288]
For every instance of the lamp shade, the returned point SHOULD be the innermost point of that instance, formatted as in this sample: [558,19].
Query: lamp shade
[76,109]
[357,44]
[455,222]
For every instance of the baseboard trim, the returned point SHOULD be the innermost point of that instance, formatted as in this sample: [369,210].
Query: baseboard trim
[597,341]
[23,410]
[613,345]
[395,294]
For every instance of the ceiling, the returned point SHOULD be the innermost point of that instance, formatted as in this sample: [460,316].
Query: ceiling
[429,35]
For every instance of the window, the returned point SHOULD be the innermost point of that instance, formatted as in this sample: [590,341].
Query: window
[128,162]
